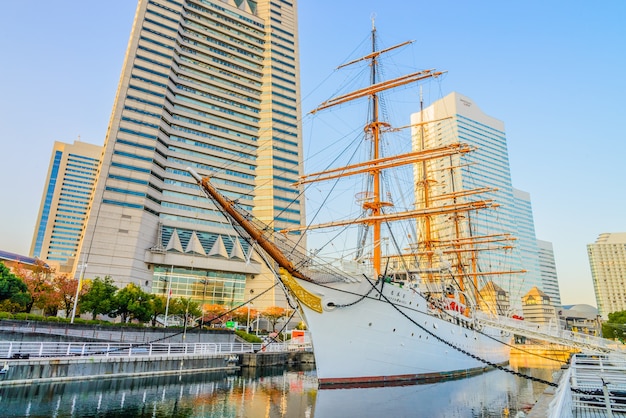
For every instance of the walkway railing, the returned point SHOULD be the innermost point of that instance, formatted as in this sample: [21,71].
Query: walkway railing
[586,343]
[24,350]
[593,385]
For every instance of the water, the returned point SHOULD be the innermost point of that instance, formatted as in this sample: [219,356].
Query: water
[278,392]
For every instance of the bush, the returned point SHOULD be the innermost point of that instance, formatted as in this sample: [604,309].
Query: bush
[248,337]
[6,315]
[53,319]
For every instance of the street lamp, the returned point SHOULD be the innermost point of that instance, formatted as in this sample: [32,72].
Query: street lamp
[205,282]
[185,323]
[248,322]
[169,295]
[80,281]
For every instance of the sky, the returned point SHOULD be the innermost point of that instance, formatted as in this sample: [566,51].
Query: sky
[552,71]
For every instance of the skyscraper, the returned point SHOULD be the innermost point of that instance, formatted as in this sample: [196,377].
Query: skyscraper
[212,85]
[64,204]
[547,266]
[527,241]
[456,118]
[607,259]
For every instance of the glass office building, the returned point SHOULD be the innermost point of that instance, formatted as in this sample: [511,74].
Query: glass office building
[456,118]
[212,85]
[64,204]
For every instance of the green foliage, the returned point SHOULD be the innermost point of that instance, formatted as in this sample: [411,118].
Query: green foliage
[182,306]
[132,303]
[248,337]
[100,298]
[615,327]
[6,315]
[13,290]
[157,307]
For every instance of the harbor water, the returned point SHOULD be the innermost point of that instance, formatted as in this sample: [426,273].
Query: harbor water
[280,392]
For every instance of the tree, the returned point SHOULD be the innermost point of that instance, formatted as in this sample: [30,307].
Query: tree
[214,314]
[274,314]
[157,307]
[241,315]
[42,293]
[14,295]
[100,298]
[182,306]
[132,303]
[186,308]
[615,327]
[66,290]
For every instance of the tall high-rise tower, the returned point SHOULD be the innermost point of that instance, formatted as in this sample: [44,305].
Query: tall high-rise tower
[456,118]
[607,259]
[527,241]
[64,204]
[212,85]
[547,266]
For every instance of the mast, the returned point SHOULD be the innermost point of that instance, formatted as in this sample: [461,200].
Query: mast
[376,204]
[425,183]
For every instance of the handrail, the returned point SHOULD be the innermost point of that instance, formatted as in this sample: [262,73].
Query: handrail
[561,405]
[593,383]
[587,343]
[29,349]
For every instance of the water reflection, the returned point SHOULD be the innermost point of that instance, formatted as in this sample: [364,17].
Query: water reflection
[277,392]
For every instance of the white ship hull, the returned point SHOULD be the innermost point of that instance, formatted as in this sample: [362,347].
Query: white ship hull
[393,338]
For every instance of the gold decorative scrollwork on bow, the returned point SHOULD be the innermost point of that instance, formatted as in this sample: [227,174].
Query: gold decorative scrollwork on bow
[303,295]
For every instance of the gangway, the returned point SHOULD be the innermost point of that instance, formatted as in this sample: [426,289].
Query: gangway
[584,342]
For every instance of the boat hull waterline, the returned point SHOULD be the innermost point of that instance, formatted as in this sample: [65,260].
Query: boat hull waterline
[391,337]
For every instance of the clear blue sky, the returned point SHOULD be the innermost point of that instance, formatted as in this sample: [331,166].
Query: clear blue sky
[553,71]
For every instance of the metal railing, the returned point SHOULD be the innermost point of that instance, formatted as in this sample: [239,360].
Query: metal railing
[587,343]
[27,350]
[592,384]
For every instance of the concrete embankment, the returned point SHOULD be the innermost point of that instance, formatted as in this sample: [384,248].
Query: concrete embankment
[36,370]
[27,371]
[521,353]
[24,364]
[262,359]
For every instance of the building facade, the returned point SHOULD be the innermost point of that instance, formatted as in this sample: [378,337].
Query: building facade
[65,203]
[456,118]
[547,266]
[607,259]
[526,240]
[538,308]
[212,85]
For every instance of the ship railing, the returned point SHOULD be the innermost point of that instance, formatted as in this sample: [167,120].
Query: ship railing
[585,342]
[26,350]
[592,385]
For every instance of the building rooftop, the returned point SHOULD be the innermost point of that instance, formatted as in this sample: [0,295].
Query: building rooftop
[16,258]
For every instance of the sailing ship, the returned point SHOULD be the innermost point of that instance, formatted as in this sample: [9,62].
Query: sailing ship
[386,315]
